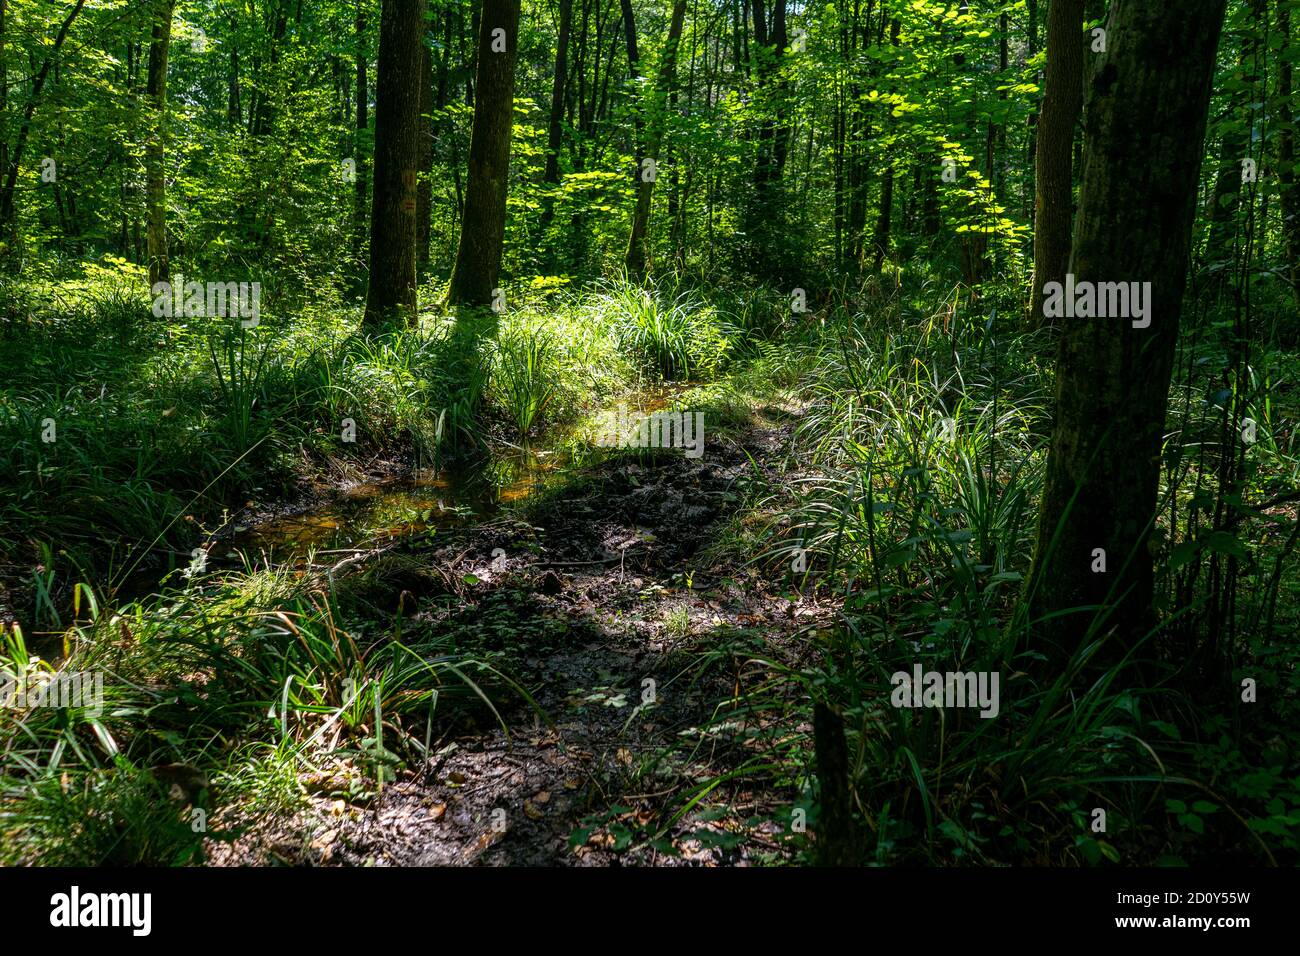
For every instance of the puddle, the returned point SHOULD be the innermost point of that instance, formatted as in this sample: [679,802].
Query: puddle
[366,514]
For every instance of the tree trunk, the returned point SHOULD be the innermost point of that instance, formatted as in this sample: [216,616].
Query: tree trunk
[1031,41]
[4,97]
[880,241]
[655,124]
[1145,134]
[392,287]
[1062,102]
[424,162]
[837,837]
[234,111]
[362,185]
[482,232]
[553,126]
[155,149]
[1290,192]
[1234,147]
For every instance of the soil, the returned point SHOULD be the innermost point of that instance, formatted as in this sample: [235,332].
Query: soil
[641,643]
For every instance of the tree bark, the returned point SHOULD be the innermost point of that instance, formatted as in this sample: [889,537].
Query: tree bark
[837,837]
[1290,192]
[392,287]
[482,233]
[1145,133]
[880,241]
[362,185]
[424,162]
[1234,147]
[554,123]
[156,149]
[4,94]
[1062,102]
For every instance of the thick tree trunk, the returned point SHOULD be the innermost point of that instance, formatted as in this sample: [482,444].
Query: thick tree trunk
[1062,102]
[655,125]
[392,287]
[482,233]
[1145,133]
[155,150]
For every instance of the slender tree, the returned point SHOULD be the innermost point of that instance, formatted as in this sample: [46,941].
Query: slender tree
[156,148]
[1054,177]
[654,126]
[1286,159]
[424,163]
[361,188]
[558,82]
[1235,143]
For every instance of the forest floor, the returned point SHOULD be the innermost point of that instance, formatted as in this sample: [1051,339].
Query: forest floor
[636,634]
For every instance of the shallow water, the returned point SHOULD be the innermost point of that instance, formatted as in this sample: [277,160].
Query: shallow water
[368,513]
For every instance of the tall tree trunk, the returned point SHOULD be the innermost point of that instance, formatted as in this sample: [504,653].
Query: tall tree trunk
[234,111]
[1031,48]
[155,149]
[880,241]
[1234,147]
[392,288]
[362,185]
[554,125]
[655,125]
[1145,135]
[1290,192]
[4,96]
[561,78]
[482,232]
[424,162]
[1062,102]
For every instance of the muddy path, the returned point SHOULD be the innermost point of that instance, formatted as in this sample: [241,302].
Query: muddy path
[636,645]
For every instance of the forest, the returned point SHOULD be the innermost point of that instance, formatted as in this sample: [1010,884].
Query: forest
[651,433]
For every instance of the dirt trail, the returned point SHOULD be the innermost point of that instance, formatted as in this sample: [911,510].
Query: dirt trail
[609,572]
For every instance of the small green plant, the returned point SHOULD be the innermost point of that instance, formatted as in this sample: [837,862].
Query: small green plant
[523,376]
